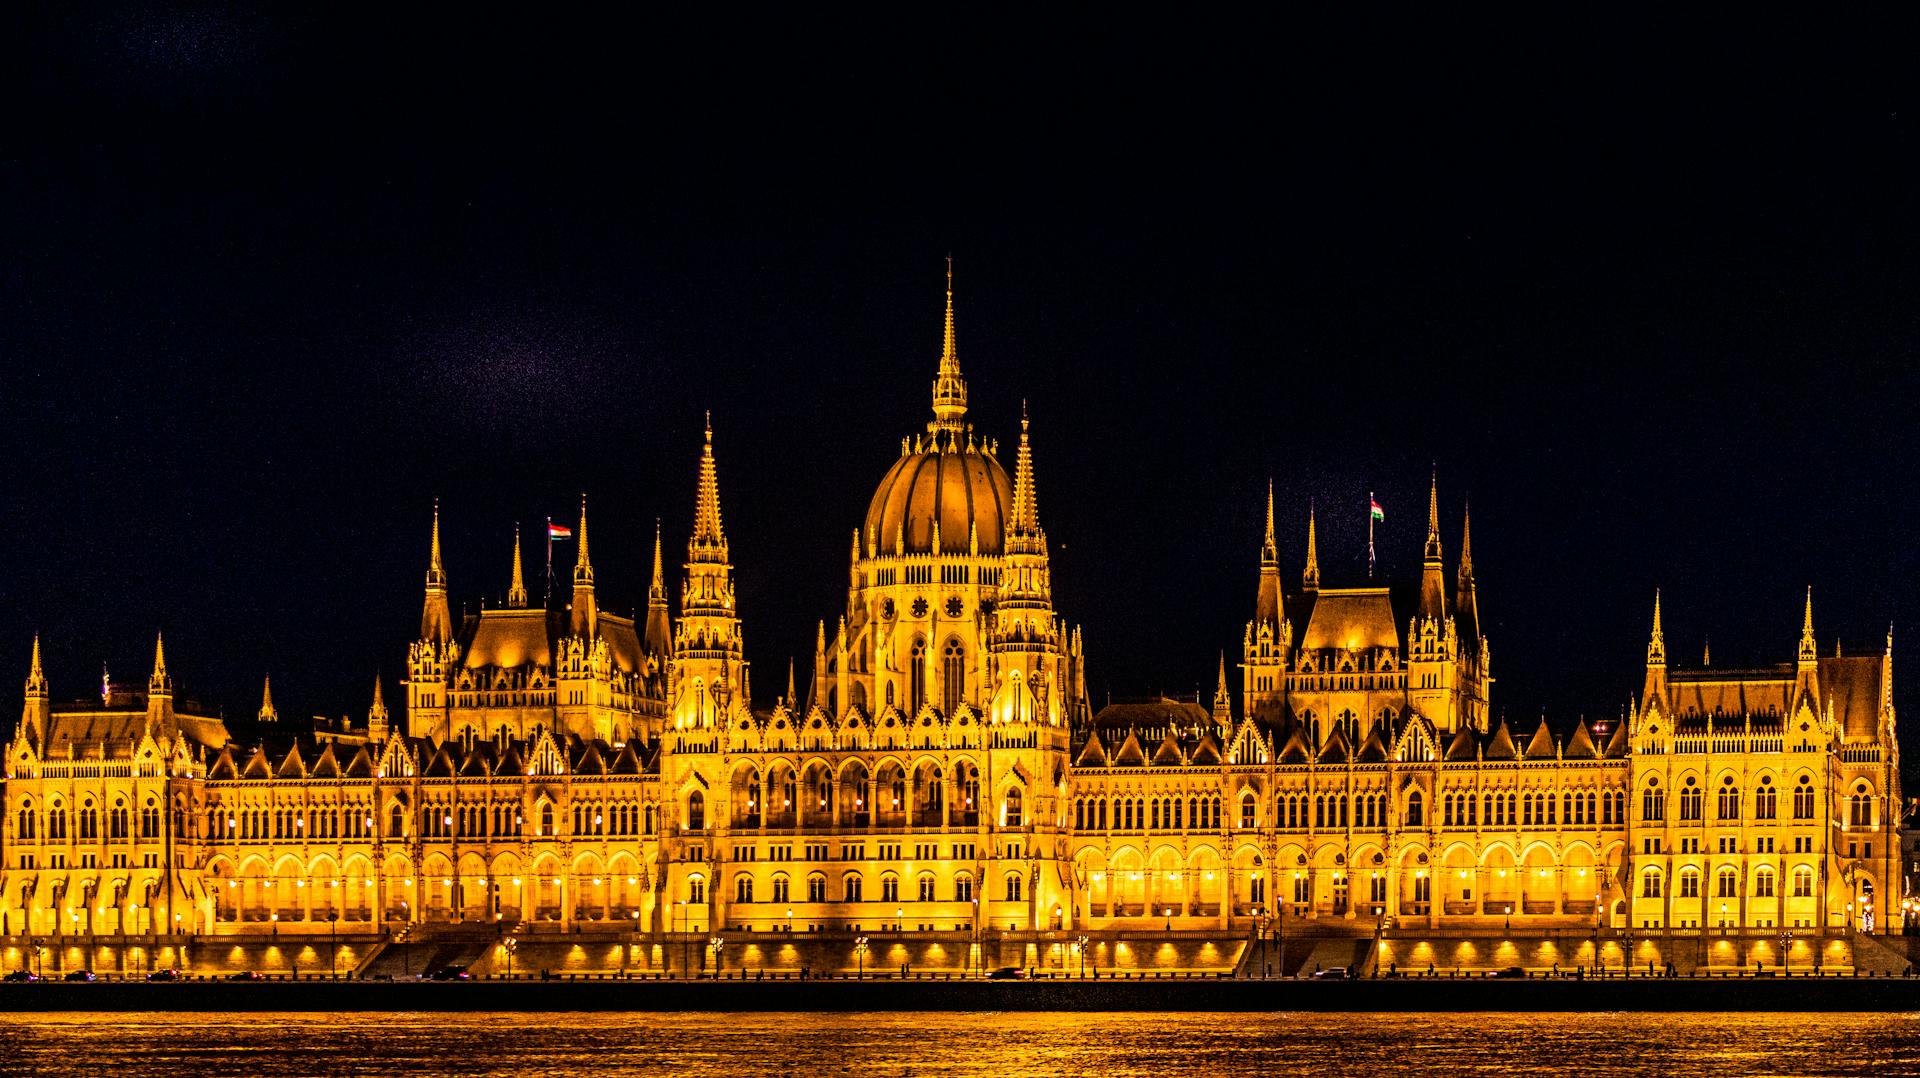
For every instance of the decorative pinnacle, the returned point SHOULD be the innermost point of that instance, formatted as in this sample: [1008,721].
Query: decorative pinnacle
[1807,646]
[1657,644]
[583,561]
[949,387]
[1433,517]
[267,712]
[436,575]
[657,591]
[517,588]
[706,510]
[1466,542]
[1311,577]
[37,677]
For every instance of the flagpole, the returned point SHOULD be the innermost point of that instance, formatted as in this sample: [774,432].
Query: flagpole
[549,563]
[1369,535]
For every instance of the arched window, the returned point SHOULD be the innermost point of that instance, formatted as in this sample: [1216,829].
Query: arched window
[816,888]
[649,819]
[697,890]
[396,820]
[1803,882]
[696,811]
[1011,811]
[850,887]
[963,888]
[57,821]
[1727,884]
[1765,799]
[917,678]
[953,676]
[25,829]
[889,888]
[1763,882]
[1652,805]
[1803,798]
[926,887]
[1729,799]
[1650,883]
[89,821]
[546,819]
[1689,883]
[743,888]
[1691,800]
[1414,802]
[1860,807]
[780,889]
[1013,887]
[1246,810]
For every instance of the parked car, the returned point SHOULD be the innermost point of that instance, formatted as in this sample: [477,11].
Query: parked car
[246,975]
[1510,973]
[21,976]
[1007,973]
[1336,973]
[79,975]
[165,975]
[449,973]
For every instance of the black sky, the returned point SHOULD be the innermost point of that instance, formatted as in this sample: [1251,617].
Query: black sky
[273,282]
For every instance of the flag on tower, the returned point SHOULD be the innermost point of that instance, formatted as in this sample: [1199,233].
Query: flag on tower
[1374,510]
[556,531]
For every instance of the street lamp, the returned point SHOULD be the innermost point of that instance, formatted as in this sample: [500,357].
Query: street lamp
[715,944]
[1082,943]
[860,952]
[1509,909]
[511,944]
[1786,952]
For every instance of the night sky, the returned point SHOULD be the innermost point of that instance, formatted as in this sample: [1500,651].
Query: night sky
[273,283]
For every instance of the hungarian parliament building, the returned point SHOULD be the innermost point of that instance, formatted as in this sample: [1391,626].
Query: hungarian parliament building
[555,764]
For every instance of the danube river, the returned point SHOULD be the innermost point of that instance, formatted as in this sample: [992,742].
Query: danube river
[1002,1045]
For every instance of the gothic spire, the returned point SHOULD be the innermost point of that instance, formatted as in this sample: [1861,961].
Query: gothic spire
[1657,645]
[1026,502]
[949,387]
[659,638]
[517,589]
[1222,702]
[37,677]
[436,617]
[1266,607]
[706,508]
[1433,518]
[791,696]
[160,683]
[267,713]
[1466,546]
[586,611]
[1310,579]
[1807,647]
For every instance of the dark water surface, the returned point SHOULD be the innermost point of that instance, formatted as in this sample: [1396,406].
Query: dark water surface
[997,1044]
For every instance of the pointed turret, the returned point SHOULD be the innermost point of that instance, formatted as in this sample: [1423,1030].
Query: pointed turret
[1466,601]
[160,693]
[378,721]
[585,612]
[1222,701]
[38,711]
[1310,578]
[1027,578]
[160,682]
[1807,647]
[1654,689]
[949,388]
[436,617]
[266,712]
[1807,669]
[659,637]
[517,588]
[817,691]
[1266,607]
[707,645]
[1433,594]
[792,697]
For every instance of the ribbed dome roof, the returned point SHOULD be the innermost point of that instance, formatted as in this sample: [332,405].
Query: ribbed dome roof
[961,488]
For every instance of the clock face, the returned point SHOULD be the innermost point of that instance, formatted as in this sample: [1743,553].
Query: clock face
[886,610]
[955,607]
[919,608]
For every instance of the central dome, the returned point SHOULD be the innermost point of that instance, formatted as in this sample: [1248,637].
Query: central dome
[963,488]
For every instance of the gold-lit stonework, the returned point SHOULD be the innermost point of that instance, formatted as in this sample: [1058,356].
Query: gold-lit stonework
[567,768]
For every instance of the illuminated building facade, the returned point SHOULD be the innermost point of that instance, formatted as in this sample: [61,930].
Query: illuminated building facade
[560,765]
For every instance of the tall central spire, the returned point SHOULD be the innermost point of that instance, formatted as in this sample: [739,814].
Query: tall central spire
[1266,607]
[949,388]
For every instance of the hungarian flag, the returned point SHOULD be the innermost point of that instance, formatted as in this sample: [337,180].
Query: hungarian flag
[555,531]
[1373,508]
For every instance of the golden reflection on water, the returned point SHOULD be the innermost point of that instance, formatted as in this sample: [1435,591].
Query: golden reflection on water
[1003,1045]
